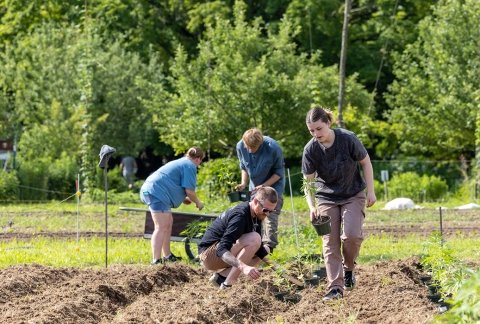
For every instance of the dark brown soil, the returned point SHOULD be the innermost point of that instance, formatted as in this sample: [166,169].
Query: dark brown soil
[390,292]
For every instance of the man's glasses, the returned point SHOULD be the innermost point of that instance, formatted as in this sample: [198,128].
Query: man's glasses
[265,210]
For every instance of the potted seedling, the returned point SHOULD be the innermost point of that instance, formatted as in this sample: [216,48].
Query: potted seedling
[322,222]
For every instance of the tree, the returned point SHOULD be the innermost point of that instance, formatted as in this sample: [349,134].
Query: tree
[70,92]
[435,97]
[241,79]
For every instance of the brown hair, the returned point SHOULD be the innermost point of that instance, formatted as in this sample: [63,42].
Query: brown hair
[319,113]
[267,193]
[252,138]
[195,152]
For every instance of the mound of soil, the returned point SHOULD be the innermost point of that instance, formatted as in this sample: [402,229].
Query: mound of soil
[386,293]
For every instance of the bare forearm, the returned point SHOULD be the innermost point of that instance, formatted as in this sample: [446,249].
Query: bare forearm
[368,173]
[230,259]
[192,196]
[245,178]
[272,180]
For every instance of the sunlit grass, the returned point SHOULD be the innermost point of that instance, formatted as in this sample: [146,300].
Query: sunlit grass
[91,251]
[297,236]
[84,253]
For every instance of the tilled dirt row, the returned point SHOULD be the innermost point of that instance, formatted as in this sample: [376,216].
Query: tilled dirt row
[386,292]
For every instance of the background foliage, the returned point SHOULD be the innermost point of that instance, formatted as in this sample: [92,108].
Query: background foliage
[162,76]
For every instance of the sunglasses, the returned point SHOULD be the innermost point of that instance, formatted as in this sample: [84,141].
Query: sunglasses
[265,210]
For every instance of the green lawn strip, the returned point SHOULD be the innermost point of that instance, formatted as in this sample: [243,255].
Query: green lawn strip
[84,253]
[91,251]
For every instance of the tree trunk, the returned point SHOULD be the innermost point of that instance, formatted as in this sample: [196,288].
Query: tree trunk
[477,156]
[343,61]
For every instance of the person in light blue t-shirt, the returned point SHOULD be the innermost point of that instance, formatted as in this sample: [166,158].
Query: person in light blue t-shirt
[174,183]
[262,164]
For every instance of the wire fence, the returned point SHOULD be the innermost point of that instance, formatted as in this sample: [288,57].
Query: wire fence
[63,223]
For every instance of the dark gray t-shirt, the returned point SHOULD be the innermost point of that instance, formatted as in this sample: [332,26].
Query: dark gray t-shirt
[338,174]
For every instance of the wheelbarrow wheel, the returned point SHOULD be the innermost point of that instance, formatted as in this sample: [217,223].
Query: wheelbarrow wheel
[188,249]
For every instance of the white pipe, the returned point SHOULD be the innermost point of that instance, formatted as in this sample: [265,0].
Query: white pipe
[293,208]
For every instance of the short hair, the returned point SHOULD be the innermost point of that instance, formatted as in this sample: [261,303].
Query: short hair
[319,113]
[267,193]
[195,152]
[253,138]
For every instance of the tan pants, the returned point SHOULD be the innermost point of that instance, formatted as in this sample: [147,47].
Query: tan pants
[244,249]
[341,248]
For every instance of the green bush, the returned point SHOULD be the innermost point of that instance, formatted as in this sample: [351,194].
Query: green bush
[457,284]
[466,191]
[218,177]
[115,180]
[97,195]
[405,185]
[8,186]
[33,176]
[45,179]
[379,190]
[411,185]
[465,303]
[62,174]
[434,187]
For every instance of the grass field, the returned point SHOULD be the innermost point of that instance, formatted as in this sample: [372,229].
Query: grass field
[45,223]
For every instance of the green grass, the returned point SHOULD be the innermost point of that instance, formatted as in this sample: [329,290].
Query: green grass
[297,237]
[84,253]
[91,251]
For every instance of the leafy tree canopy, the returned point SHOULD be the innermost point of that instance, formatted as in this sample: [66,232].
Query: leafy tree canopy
[242,79]
[44,82]
[435,97]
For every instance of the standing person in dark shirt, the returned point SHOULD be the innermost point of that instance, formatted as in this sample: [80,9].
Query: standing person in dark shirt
[331,161]
[232,244]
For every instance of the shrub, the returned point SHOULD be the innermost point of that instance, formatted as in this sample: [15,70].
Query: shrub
[114,178]
[218,177]
[62,174]
[33,176]
[8,186]
[466,302]
[379,190]
[405,185]
[434,187]
[411,185]
[44,178]
[466,191]
[96,195]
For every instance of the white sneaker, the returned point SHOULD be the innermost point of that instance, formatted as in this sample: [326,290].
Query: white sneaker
[223,286]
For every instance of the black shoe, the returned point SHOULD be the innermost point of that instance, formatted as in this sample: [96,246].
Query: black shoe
[333,294]
[156,261]
[171,258]
[217,279]
[349,280]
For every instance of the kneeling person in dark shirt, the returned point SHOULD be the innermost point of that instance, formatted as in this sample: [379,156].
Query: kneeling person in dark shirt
[232,244]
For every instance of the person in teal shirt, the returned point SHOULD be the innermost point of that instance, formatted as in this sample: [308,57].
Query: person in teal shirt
[261,165]
[167,188]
